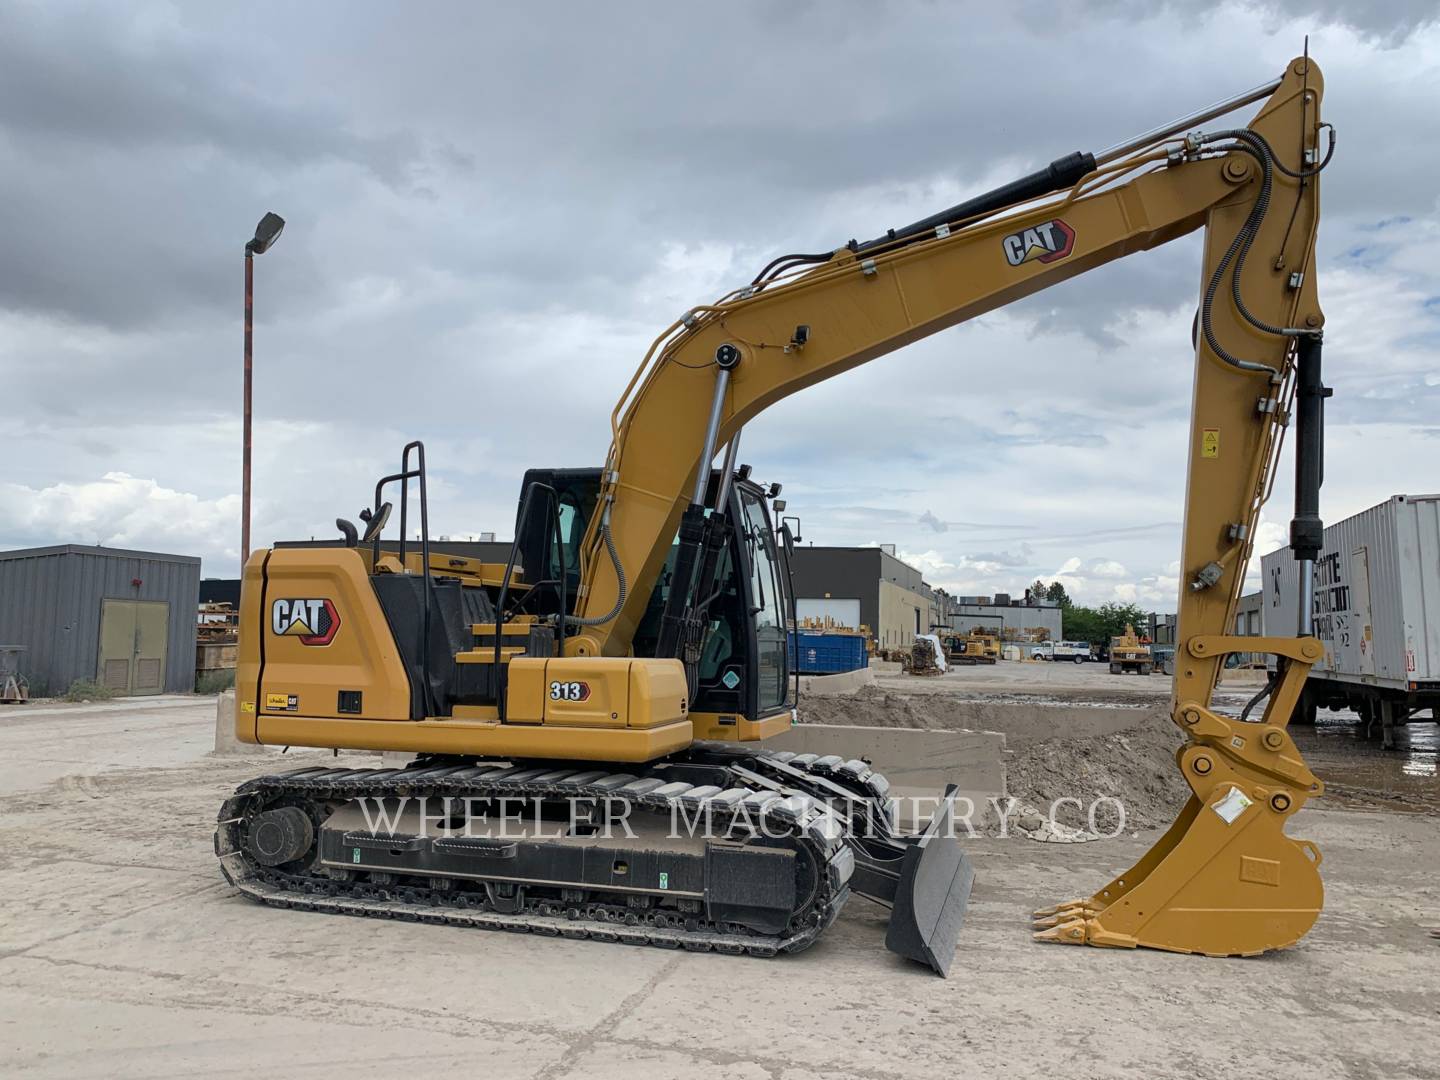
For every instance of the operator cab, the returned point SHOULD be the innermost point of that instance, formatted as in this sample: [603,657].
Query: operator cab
[745,665]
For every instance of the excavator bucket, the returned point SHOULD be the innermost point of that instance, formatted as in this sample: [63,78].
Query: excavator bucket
[932,893]
[1224,880]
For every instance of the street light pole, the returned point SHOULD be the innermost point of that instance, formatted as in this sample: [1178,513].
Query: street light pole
[266,233]
[245,461]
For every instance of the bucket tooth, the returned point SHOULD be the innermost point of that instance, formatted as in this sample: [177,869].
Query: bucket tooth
[1070,932]
[1062,917]
[1062,908]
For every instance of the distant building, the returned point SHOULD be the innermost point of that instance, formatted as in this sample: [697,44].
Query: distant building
[863,586]
[220,591]
[1161,629]
[1015,619]
[1249,622]
[124,619]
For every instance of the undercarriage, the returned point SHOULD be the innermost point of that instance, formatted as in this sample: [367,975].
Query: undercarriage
[717,849]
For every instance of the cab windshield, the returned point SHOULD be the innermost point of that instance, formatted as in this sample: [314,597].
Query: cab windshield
[767,601]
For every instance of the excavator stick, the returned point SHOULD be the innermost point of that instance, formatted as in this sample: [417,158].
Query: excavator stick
[1224,880]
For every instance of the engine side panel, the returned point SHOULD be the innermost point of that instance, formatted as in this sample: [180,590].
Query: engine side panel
[314,642]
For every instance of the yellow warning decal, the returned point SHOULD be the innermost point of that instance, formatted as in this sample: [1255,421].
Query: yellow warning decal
[278,702]
[247,706]
[1210,442]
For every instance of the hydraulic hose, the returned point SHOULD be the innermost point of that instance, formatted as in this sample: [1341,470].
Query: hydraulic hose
[1254,144]
[623,585]
[1265,691]
[1245,142]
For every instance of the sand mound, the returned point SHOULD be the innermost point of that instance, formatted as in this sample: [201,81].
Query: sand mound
[1056,750]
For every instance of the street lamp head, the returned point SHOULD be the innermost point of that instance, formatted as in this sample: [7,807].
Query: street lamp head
[266,233]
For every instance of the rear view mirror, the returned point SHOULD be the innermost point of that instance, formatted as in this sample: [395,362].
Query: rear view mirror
[788,539]
[792,536]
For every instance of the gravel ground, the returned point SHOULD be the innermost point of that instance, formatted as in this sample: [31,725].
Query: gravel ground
[124,954]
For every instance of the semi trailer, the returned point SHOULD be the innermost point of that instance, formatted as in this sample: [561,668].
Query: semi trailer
[1376,612]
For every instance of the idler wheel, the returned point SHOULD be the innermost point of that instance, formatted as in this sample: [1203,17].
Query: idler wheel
[279,836]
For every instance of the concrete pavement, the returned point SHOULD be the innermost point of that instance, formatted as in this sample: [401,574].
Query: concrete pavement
[124,954]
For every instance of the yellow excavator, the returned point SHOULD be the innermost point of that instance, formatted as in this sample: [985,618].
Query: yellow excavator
[591,717]
[1129,652]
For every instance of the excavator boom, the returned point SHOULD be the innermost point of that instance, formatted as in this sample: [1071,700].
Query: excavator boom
[1225,879]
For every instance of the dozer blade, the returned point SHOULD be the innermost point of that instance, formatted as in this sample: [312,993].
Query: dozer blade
[932,893]
[1224,880]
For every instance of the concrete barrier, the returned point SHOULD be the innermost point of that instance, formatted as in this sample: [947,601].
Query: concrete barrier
[225,740]
[918,764]
[1024,723]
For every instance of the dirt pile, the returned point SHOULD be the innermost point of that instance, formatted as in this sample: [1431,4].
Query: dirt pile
[1057,751]
[1135,767]
[881,708]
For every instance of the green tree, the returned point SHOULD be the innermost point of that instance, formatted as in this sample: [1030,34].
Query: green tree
[1082,623]
[1056,593]
[1116,616]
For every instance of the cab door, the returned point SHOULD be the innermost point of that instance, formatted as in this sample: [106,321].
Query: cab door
[769,604]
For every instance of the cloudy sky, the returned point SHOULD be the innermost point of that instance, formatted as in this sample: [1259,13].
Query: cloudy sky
[493,209]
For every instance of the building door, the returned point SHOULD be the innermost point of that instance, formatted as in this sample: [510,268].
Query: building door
[133,639]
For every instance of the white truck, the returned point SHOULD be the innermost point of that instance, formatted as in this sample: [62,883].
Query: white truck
[1376,611]
[1069,652]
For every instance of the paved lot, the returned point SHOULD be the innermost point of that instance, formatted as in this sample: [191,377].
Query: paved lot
[124,954]
[1068,681]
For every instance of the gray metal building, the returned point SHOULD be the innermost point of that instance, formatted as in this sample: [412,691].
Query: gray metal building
[125,619]
[1023,619]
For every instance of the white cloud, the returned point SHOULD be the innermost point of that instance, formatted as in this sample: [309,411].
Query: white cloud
[487,277]
[120,510]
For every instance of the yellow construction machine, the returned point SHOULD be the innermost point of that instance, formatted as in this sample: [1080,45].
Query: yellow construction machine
[627,664]
[976,647]
[1128,652]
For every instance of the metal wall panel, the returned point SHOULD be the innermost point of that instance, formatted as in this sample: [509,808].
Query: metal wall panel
[1418,537]
[1393,639]
[50,603]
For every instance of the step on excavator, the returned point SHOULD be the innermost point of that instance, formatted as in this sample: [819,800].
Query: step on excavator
[578,711]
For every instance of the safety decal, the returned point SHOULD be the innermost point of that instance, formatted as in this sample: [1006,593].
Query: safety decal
[1232,805]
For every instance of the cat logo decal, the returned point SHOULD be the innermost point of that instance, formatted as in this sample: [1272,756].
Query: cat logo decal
[314,622]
